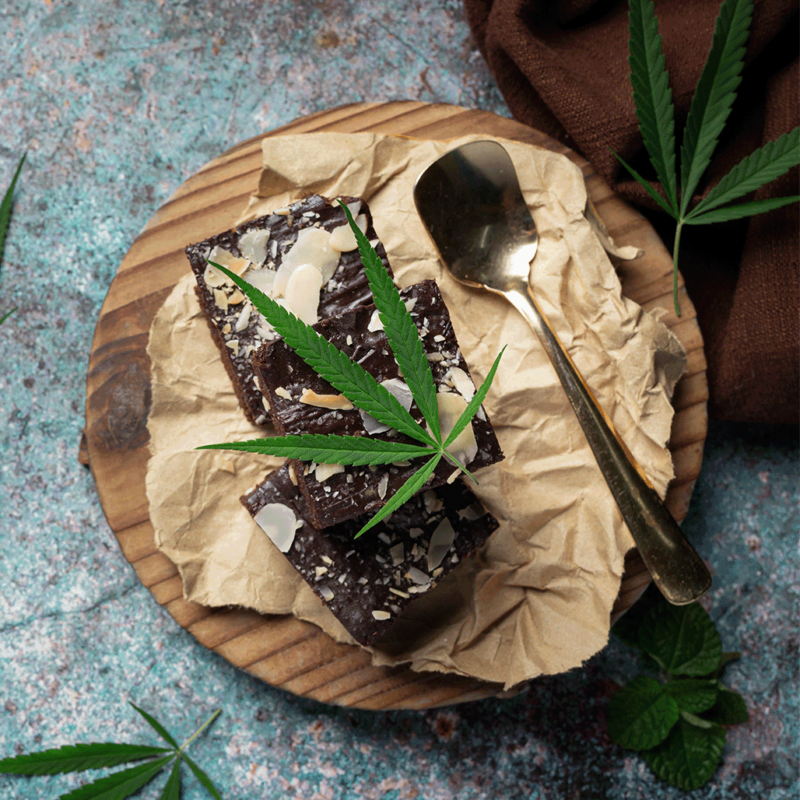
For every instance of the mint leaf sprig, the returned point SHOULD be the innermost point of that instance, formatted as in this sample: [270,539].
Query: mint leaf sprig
[99,755]
[708,114]
[679,724]
[5,220]
[363,391]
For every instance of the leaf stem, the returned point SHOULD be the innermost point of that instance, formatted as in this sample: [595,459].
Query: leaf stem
[675,249]
[200,730]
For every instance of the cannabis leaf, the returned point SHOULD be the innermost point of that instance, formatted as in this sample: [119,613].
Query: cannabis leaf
[677,724]
[363,391]
[708,113]
[5,219]
[99,755]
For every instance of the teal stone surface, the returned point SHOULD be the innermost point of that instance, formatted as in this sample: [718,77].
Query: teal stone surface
[116,104]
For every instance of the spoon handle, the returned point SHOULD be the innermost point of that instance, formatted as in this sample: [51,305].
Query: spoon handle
[674,564]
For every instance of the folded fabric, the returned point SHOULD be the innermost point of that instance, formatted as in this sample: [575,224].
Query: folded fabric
[563,69]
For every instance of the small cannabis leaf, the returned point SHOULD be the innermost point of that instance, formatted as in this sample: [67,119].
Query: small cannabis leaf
[363,391]
[677,724]
[711,105]
[99,755]
[5,219]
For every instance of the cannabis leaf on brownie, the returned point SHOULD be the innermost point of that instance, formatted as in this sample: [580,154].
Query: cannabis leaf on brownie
[5,220]
[100,755]
[363,391]
[678,721]
[709,111]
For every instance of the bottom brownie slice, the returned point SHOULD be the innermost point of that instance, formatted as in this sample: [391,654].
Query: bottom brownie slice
[367,582]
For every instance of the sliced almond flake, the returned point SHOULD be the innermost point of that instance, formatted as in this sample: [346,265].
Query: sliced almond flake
[383,485]
[265,403]
[438,338]
[375,323]
[453,475]
[279,523]
[399,389]
[429,498]
[410,303]
[384,537]
[282,212]
[463,383]
[343,577]
[399,592]
[415,533]
[325,471]
[417,576]
[284,393]
[236,264]
[349,553]
[320,571]
[401,464]
[397,553]
[438,571]
[326,594]
[434,356]
[226,328]
[349,478]
[234,346]
[243,319]
[292,474]
[441,541]
[349,339]
[253,244]
[333,401]
[290,220]
[312,247]
[235,297]
[381,615]
[465,447]
[221,299]
[343,239]
[362,581]
[302,293]
[471,512]
[328,560]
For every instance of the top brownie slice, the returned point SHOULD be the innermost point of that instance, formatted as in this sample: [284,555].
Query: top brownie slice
[366,583]
[303,402]
[256,250]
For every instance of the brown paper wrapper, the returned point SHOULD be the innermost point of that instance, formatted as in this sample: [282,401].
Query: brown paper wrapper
[537,599]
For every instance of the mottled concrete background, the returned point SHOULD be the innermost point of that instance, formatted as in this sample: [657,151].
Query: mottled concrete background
[117,104]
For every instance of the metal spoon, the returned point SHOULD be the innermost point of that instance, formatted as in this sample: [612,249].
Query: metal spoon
[471,204]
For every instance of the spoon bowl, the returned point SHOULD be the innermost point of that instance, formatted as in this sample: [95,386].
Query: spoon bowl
[472,206]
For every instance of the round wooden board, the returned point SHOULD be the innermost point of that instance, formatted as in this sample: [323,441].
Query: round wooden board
[286,652]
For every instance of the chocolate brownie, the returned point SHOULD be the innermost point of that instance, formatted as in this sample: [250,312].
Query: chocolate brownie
[238,330]
[367,582]
[303,402]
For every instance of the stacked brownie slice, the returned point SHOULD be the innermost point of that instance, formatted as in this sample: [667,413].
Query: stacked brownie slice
[313,511]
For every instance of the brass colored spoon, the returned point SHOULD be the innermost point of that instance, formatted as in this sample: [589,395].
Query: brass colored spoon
[471,204]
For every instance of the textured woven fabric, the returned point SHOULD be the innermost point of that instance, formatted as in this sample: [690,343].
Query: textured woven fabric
[562,68]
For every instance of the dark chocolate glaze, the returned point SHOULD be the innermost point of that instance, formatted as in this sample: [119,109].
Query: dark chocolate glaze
[347,289]
[358,574]
[358,490]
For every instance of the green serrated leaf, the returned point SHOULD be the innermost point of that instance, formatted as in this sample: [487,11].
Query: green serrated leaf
[641,715]
[400,330]
[203,778]
[742,210]
[172,788]
[663,204]
[76,758]
[347,377]
[652,95]
[715,93]
[762,166]
[730,709]
[5,207]
[693,695]
[689,756]
[475,403]
[404,493]
[155,725]
[119,785]
[682,639]
[329,449]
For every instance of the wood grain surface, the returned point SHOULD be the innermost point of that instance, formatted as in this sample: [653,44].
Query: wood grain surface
[286,652]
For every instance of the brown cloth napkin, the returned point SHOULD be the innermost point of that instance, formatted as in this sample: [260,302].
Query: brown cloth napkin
[562,68]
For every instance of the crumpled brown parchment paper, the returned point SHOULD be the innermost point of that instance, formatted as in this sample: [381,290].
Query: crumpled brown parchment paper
[536,600]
